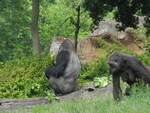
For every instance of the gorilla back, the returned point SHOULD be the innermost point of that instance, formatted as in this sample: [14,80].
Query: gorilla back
[64,73]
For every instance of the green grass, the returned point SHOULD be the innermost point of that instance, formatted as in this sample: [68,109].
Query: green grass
[139,102]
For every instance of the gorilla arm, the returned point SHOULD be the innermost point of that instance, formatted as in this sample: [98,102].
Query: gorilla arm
[61,63]
[59,67]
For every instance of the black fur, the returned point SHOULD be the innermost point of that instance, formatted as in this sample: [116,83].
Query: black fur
[63,74]
[59,67]
[129,68]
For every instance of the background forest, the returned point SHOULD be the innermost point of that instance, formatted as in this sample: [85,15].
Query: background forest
[21,69]
[16,21]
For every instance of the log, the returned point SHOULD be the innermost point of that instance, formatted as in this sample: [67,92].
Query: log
[10,104]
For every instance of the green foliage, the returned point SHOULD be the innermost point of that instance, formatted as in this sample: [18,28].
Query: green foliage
[111,14]
[97,68]
[97,9]
[146,39]
[125,10]
[102,43]
[101,81]
[15,29]
[56,20]
[23,78]
[144,58]
[112,46]
[24,88]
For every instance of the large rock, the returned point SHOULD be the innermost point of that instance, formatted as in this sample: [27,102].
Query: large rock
[56,44]
[106,27]
[128,33]
[84,45]
[141,20]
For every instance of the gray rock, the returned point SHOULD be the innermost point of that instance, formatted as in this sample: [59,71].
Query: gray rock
[107,27]
[121,35]
[56,44]
[141,20]
[12,104]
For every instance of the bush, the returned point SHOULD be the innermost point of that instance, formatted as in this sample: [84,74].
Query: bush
[101,81]
[97,68]
[24,78]
[144,58]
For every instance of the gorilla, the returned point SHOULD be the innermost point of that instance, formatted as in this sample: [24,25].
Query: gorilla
[130,69]
[64,72]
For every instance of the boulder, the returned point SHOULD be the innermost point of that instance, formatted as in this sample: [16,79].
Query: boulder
[56,44]
[106,27]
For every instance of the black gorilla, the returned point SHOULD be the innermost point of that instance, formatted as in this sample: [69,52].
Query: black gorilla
[129,68]
[64,73]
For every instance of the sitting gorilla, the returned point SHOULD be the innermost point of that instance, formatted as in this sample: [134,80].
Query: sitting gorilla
[64,73]
[129,68]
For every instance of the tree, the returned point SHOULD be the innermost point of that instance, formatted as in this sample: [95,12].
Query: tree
[34,27]
[55,22]
[76,5]
[125,10]
[15,32]
[77,25]
[97,9]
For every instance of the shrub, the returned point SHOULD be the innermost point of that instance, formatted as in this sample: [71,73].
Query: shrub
[97,68]
[22,78]
[144,58]
[101,81]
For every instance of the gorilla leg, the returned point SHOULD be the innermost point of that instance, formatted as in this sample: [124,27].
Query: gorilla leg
[116,87]
[128,77]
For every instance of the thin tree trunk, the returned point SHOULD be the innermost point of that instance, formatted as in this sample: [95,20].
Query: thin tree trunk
[77,25]
[34,27]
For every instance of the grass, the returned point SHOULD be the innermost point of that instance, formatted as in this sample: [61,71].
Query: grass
[139,102]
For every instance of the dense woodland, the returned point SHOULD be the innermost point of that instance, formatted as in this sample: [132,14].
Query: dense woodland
[16,21]
[28,27]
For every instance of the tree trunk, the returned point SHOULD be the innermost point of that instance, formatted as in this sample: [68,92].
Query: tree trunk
[77,25]
[34,27]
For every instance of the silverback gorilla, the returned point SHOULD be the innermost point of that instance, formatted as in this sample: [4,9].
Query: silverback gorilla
[129,68]
[64,73]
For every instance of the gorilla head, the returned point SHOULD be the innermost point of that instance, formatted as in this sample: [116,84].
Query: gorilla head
[115,62]
[63,74]
[67,45]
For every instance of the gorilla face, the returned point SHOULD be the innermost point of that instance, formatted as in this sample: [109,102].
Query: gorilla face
[115,62]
